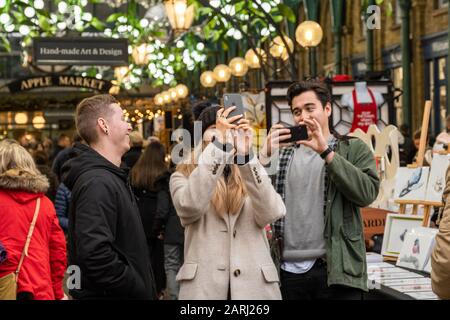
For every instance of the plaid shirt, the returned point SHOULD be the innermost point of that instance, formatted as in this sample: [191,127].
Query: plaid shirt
[286,155]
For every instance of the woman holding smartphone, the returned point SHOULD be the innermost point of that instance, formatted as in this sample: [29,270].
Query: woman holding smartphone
[224,200]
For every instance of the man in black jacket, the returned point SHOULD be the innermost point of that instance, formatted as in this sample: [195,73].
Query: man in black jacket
[106,237]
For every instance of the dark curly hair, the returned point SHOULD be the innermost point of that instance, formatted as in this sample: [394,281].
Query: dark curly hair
[199,106]
[319,88]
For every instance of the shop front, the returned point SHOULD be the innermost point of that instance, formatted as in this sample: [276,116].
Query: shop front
[392,62]
[436,54]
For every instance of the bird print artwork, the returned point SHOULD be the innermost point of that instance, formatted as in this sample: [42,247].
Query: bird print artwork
[413,183]
[416,247]
[402,236]
[439,185]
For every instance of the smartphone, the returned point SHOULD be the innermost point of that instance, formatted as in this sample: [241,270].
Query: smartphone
[298,133]
[234,100]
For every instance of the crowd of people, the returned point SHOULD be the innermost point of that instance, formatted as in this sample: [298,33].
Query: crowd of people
[132,249]
[138,227]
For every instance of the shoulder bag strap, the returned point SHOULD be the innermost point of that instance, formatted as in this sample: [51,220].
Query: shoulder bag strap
[30,234]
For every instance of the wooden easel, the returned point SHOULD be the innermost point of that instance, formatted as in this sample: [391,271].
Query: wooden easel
[423,136]
[428,205]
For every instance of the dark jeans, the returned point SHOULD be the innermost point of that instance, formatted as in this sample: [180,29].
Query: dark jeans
[312,285]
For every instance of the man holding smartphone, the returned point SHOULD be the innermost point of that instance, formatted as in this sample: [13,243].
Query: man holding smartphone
[324,181]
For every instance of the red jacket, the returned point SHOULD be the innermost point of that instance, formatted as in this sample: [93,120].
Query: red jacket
[43,269]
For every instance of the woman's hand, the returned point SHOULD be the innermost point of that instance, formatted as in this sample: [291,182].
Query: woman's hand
[224,125]
[243,137]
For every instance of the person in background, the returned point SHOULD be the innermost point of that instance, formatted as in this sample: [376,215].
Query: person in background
[150,182]
[46,146]
[62,203]
[63,143]
[440,258]
[167,221]
[428,157]
[407,149]
[444,137]
[66,154]
[131,157]
[41,160]
[150,140]
[63,194]
[28,141]
[22,187]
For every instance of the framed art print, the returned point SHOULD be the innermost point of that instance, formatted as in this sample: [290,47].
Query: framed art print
[397,226]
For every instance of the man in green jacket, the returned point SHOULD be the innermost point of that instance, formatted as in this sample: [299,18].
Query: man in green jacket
[319,245]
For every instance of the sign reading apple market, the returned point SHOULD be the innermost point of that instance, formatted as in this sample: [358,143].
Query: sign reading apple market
[59,81]
[80,51]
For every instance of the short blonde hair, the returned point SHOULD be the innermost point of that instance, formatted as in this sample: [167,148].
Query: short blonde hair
[14,156]
[87,113]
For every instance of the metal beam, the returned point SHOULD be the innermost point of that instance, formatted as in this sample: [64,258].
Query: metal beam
[369,40]
[337,16]
[448,72]
[312,13]
[405,6]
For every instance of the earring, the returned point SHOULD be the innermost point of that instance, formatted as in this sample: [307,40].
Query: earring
[106,131]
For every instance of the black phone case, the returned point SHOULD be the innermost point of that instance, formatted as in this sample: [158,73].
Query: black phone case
[298,133]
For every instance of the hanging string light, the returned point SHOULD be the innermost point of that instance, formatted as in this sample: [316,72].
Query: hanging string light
[252,58]
[278,48]
[222,73]
[238,67]
[207,79]
[182,91]
[180,15]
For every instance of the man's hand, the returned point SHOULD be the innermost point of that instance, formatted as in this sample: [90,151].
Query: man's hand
[277,134]
[316,140]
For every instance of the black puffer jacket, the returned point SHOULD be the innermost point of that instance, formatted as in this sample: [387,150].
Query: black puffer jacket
[106,237]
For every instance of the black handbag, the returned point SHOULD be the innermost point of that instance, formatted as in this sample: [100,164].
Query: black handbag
[3,253]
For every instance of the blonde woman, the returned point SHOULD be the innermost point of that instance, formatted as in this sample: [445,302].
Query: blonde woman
[224,208]
[21,186]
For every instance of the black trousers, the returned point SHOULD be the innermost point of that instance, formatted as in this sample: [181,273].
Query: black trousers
[312,285]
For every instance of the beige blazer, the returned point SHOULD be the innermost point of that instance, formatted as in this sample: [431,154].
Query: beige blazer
[227,250]
[440,258]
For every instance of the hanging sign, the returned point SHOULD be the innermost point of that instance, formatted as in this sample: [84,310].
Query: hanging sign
[80,51]
[59,81]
